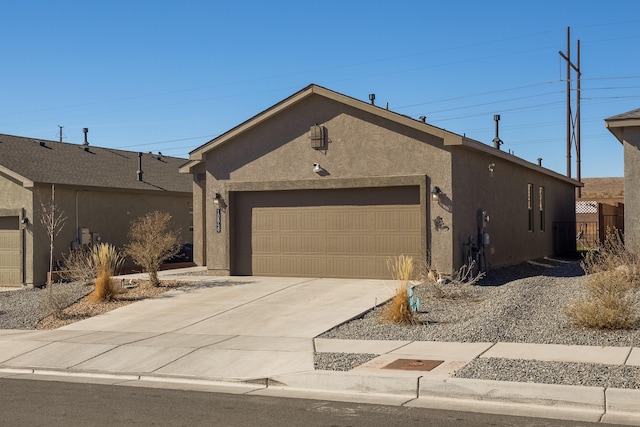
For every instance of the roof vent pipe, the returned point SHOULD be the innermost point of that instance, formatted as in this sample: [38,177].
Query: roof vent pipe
[423,119]
[372,98]
[497,142]
[139,166]
[86,131]
[539,161]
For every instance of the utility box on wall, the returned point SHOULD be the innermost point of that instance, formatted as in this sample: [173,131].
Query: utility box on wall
[84,235]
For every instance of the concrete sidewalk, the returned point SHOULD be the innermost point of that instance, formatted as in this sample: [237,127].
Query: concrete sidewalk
[257,335]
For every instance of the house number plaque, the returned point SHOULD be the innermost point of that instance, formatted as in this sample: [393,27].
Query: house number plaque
[218,221]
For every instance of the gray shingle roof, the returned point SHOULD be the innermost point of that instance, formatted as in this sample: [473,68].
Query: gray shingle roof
[51,162]
[633,114]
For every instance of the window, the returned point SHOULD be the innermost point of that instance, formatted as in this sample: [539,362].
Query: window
[541,206]
[530,205]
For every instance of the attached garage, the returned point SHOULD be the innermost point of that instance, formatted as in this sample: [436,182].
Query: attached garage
[344,233]
[10,251]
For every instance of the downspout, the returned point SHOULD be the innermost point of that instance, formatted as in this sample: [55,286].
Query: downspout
[77,220]
[23,231]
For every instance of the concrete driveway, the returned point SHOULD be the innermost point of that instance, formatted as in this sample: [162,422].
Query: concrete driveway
[222,328]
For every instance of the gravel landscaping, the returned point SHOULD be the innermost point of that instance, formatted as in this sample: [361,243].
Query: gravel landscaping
[523,303]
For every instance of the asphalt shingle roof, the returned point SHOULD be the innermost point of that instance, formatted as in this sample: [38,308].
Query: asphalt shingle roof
[52,162]
[633,114]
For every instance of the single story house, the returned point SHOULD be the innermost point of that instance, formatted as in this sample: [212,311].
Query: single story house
[98,190]
[626,128]
[325,185]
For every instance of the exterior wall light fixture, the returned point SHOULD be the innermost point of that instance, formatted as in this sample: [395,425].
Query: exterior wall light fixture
[436,193]
[317,168]
[216,199]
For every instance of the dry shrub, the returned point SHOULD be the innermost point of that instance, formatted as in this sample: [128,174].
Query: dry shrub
[106,261]
[458,287]
[612,277]
[105,289]
[106,258]
[78,266]
[608,304]
[612,255]
[56,298]
[151,241]
[399,309]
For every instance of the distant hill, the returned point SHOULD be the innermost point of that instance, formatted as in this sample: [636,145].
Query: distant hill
[603,188]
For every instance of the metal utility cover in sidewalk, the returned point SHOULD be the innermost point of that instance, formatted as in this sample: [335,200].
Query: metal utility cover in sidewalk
[413,364]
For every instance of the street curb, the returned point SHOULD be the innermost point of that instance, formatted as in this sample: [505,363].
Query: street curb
[623,406]
[554,401]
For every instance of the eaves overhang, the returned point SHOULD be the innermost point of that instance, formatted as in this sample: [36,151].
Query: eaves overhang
[26,182]
[491,151]
[616,127]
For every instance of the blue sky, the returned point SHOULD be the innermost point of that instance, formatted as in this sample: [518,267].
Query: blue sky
[170,75]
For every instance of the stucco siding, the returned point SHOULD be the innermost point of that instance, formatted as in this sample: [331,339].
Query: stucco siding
[500,188]
[631,138]
[360,146]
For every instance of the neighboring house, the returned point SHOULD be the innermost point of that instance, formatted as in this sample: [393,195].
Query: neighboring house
[325,185]
[99,191]
[626,128]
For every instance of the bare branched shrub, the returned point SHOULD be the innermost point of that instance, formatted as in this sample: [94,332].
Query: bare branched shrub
[78,266]
[56,298]
[151,241]
[458,287]
[399,308]
[611,255]
[612,275]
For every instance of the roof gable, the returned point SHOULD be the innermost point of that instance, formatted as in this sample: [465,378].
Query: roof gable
[197,154]
[616,124]
[39,161]
[449,138]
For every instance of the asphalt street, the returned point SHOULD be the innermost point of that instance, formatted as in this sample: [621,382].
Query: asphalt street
[53,403]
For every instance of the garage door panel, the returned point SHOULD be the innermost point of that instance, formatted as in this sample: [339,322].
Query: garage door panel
[332,241]
[348,243]
[10,258]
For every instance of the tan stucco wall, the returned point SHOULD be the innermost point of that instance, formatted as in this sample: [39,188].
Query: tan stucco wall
[631,138]
[199,225]
[106,212]
[503,195]
[363,149]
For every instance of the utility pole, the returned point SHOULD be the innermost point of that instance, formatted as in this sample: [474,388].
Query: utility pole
[571,65]
[578,95]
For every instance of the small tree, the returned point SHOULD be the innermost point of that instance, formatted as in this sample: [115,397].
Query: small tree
[151,241]
[52,219]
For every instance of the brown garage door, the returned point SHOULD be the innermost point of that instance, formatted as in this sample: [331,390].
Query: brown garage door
[10,252]
[326,233]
